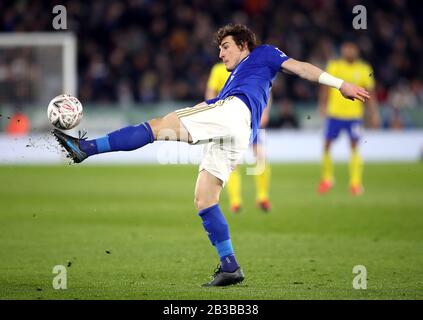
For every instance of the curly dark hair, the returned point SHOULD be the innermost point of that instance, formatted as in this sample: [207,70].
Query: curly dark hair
[239,32]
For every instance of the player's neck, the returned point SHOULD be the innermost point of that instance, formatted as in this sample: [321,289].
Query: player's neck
[242,57]
[244,54]
[350,61]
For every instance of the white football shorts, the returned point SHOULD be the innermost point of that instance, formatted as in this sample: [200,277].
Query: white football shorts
[224,128]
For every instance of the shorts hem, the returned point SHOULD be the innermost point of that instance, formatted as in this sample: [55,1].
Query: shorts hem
[215,174]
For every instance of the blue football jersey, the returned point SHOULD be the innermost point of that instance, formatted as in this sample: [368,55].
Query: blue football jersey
[252,79]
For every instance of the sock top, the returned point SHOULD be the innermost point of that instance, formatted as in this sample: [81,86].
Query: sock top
[150,131]
[207,210]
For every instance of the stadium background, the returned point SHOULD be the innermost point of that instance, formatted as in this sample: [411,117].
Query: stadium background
[138,59]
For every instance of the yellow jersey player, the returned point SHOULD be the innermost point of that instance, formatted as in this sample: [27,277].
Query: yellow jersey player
[346,115]
[215,83]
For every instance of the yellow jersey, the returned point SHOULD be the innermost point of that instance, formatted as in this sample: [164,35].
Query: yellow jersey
[359,73]
[218,77]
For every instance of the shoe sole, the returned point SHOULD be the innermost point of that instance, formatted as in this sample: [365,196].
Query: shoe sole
[229,279]
[234,282]
[72,152]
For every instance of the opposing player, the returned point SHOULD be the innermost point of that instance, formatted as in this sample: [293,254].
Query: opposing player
[345,115]
[225,125]
[217,79]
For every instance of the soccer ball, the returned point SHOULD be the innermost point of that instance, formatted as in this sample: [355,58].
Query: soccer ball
[64,112]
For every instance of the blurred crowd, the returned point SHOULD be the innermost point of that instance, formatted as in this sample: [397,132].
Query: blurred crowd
[136,51]
[18,75]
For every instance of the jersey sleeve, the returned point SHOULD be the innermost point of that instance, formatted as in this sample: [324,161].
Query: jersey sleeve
[211,101]
[275,57]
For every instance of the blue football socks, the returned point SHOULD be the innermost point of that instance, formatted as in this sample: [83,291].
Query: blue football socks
[215,224]
[125,139]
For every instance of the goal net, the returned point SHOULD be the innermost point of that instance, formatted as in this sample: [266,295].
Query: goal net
[34,68]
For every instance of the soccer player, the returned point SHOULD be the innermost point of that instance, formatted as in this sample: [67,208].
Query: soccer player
[225,125]
[346,115]
[215,83]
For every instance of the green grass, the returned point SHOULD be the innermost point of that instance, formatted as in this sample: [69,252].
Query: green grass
[144,216]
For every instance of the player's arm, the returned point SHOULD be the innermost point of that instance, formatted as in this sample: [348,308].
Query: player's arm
[371,105]
[323,100]
[312,73]
[266,112]
[373,109]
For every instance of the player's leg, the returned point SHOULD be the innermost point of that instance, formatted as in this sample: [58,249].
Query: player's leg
[170,128]
[327,176]
[327,163]
[356,164]
[128,138]
[262,178]
[207,193]
[220,157]
[133,137]
[125,139]
[228,131]
[234,190]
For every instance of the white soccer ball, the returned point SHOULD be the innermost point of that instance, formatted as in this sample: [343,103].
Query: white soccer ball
[64,112]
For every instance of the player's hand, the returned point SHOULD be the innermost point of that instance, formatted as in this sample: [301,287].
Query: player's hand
[352,92]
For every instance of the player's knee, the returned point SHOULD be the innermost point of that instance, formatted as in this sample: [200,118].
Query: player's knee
[156,126]
[199,203]
[203,202]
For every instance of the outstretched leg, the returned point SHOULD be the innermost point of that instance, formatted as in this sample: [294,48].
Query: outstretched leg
[207,193]
[133,137]
[126,139]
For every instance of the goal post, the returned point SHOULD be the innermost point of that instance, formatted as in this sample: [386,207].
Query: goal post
[50,60]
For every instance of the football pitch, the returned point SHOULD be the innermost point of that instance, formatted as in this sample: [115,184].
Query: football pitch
[131,232]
